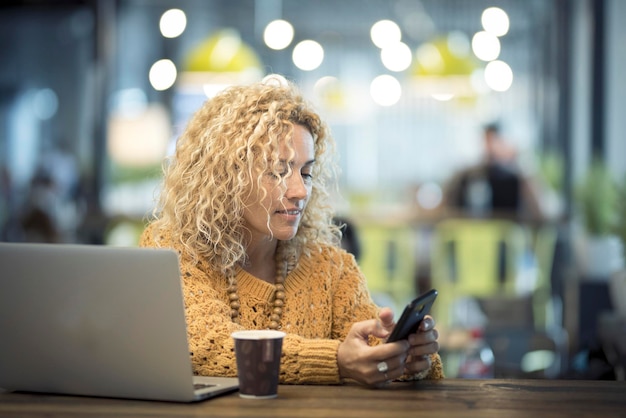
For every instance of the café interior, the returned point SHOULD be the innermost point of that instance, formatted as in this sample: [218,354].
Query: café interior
[93,94]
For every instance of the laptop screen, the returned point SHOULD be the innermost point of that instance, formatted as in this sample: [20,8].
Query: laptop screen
[93,320]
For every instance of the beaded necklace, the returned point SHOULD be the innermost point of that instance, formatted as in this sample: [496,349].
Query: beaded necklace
[279,300]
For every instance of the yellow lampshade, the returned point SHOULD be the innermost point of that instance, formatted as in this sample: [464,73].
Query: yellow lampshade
[436,58]
[224,51]
[444,68]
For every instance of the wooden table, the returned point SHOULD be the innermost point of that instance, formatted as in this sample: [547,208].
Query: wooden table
[445,398]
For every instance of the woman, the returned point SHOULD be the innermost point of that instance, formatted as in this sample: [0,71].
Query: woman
[245,203]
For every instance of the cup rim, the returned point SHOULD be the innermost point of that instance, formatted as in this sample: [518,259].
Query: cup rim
[258,334]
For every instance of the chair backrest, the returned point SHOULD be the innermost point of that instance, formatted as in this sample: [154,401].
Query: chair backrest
[484,259]
[475,258]
[388,261]
[546,306]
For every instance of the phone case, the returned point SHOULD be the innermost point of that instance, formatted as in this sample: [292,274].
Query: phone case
[412,316]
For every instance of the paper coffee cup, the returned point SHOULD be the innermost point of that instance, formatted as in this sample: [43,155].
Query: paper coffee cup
[258,355]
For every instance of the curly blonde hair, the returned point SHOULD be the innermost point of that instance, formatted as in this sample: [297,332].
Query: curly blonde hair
[229,144]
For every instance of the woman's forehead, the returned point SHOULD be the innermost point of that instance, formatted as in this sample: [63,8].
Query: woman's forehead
[299,145]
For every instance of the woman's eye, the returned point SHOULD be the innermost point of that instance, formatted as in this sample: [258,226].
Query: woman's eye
[277,175]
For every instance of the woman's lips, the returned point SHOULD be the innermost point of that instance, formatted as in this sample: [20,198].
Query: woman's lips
[290,214]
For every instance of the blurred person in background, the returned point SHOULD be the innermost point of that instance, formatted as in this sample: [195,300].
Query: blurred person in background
[497,186]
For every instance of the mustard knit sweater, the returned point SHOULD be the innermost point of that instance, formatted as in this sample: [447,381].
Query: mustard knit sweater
[325,294]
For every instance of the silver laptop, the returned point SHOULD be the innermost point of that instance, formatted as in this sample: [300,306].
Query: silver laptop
[97,321]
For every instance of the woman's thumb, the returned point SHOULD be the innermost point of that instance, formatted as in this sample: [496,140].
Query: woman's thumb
[364,329]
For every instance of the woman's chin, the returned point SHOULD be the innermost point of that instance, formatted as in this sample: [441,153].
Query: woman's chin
[285,235]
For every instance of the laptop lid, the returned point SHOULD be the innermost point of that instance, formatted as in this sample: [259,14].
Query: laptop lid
[96,321]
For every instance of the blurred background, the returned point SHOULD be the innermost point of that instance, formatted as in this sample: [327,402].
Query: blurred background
[481,145]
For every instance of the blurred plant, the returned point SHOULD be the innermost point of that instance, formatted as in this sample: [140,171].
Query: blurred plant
[597,196]
[552,170]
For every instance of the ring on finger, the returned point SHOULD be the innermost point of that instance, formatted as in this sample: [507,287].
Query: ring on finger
[383,367]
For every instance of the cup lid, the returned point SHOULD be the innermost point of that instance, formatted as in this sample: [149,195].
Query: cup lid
[258,334]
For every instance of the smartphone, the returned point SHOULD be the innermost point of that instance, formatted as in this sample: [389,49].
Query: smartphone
[412,316]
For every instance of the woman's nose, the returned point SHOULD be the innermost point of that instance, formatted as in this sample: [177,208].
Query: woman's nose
[296,187]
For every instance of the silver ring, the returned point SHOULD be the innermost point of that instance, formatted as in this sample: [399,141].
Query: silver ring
[383,368]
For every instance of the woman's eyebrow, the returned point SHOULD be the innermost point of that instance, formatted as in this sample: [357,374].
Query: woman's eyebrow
[307,163]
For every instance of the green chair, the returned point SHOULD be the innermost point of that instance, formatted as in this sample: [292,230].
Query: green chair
[475,258]
[388,261]
[547,308]
[482,260]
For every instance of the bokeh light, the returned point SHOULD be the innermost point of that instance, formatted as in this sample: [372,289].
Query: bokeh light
[385,90]
[45,103]
[396,56]
[162,74]
[458,44]
[485,46]
[495,21]
[173,23]
[308,55]
[330,92]
[385,32]
[498,75]
[429,195]
[278,34]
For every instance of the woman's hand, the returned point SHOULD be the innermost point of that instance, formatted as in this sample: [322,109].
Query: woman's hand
[385,362]
[422,345]
[372,365]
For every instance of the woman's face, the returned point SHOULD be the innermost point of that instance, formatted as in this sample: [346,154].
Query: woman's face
[279,212]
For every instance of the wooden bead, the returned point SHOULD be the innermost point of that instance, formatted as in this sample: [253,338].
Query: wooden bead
[279,301]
